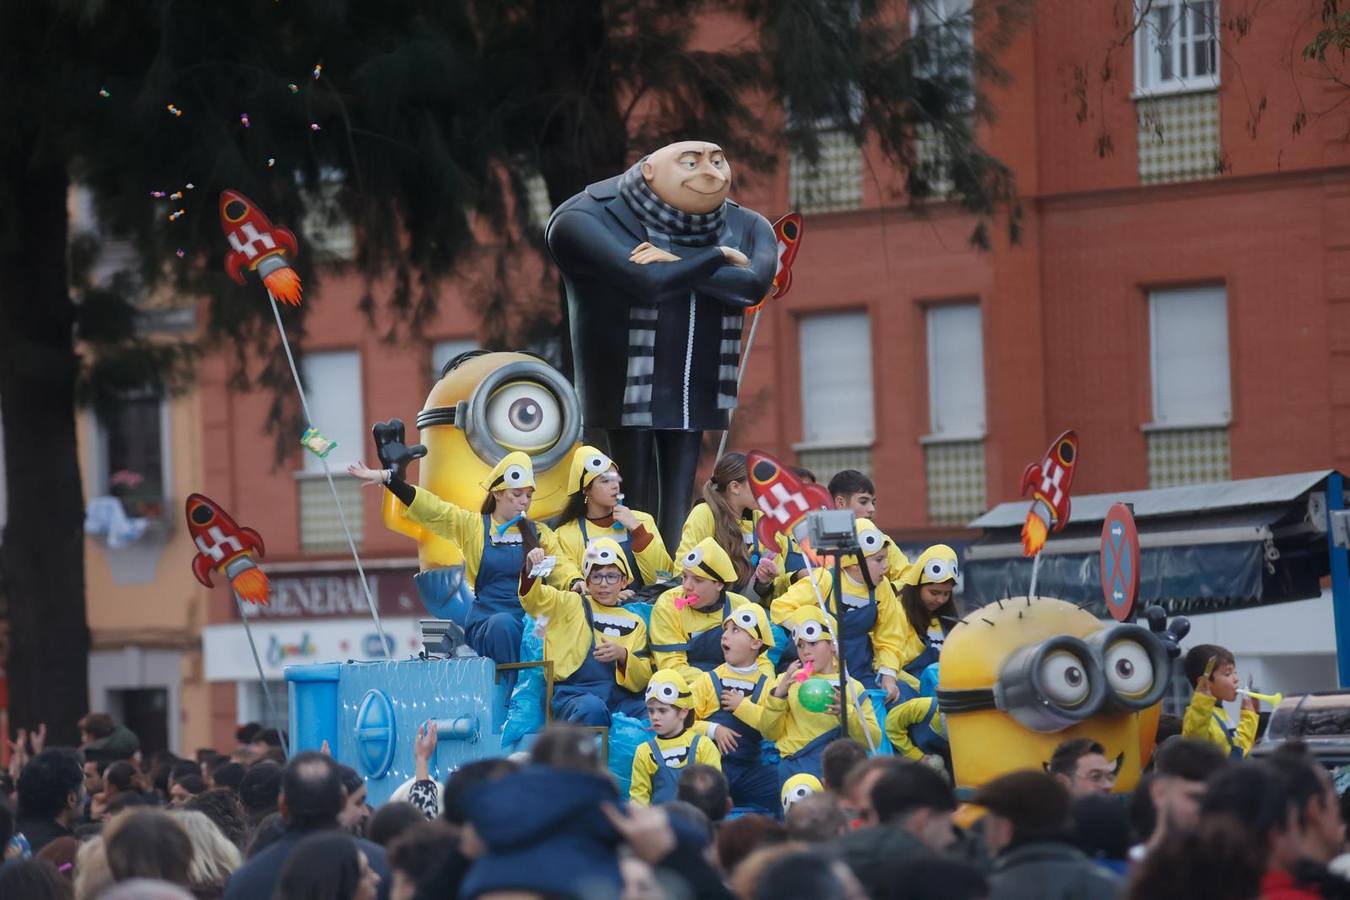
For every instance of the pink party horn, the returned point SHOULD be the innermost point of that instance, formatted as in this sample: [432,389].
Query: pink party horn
[685,600]
[805,671]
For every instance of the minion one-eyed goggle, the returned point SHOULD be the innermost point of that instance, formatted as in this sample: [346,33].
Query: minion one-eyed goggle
[669,693]
[1064,680]
[525,405]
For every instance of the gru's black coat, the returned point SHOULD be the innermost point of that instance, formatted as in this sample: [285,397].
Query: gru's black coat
[697,305]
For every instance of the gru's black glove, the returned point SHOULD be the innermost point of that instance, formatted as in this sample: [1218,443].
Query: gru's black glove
[1170,633]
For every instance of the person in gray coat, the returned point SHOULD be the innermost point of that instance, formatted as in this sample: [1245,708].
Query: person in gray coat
[1026,828]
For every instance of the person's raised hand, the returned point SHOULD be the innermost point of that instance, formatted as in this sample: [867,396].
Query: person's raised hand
[38,739]
[646,829]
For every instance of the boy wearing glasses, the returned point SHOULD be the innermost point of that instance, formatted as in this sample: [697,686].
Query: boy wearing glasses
[599,649]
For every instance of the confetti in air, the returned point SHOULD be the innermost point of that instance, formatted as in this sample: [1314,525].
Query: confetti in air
[176,214]
[158,195]
[189,185]
[318,70]
[103,92]
[313,126]
[179,253]
[176,195]
[173,109]
[295,88]
[243,119]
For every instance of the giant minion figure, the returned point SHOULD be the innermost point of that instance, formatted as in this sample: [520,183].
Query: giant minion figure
[1019,677]
[484,406]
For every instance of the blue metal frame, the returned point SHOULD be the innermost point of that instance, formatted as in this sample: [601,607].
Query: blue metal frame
[1340,580]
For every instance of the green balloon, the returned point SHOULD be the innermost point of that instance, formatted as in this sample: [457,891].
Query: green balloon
[815,694]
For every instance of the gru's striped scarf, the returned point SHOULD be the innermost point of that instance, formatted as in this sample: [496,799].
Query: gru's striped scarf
[688,230]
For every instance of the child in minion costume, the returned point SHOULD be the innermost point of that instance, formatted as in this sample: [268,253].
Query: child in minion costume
[495,541]
[731,697]
[925,591]
[599,649]
[873,620]
[799,787]
[801,733]
[917,728]
[686,629]
[595,510]
[658,762]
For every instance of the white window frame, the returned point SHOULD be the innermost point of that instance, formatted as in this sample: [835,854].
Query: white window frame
[1148,80]
[936,434]
[1223,418]
[99,470]
[940,14]
[311,466]
[864,437]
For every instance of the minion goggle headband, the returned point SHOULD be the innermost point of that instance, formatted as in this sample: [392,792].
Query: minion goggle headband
[666,692]
[471,416]
[744,619]
[1063,680]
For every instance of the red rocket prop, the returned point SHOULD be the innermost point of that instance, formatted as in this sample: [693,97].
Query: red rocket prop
[788,230]
[783,497]
[223,545]
[258,246]
[1049,481]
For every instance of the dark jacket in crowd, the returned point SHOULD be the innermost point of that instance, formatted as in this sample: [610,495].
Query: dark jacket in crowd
[867,852]
[41,832]
[545,832]
[257,878]
[1049,870]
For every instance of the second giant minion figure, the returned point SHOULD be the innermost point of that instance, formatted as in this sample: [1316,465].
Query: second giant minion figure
[1018,678]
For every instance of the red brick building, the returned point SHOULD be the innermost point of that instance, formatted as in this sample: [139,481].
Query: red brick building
[1181,301]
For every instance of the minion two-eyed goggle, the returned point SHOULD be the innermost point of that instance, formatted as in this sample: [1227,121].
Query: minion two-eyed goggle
[1064,680]
[524,405]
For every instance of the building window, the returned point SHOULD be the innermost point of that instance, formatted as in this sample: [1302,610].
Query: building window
[538,206]
[837,417]
[1192,400]
[944,58]
[131,437]
[444,351]
[831,184]
[333,385]
[326,225]
[954,446]
[1178,138]
[1176,46]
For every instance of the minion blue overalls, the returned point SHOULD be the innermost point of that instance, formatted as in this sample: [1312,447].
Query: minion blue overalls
[702,650]
[931,650]
[1230,735]
[666,781]
[591,693]
[926,737]
[806,759]
[494,623]
[619,535]
[857,627]
[752,783]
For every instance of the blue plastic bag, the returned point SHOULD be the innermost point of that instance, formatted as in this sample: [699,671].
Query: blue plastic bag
[525,713]
[625,735]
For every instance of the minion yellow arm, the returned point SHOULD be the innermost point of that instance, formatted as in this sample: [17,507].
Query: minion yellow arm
[392,512]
